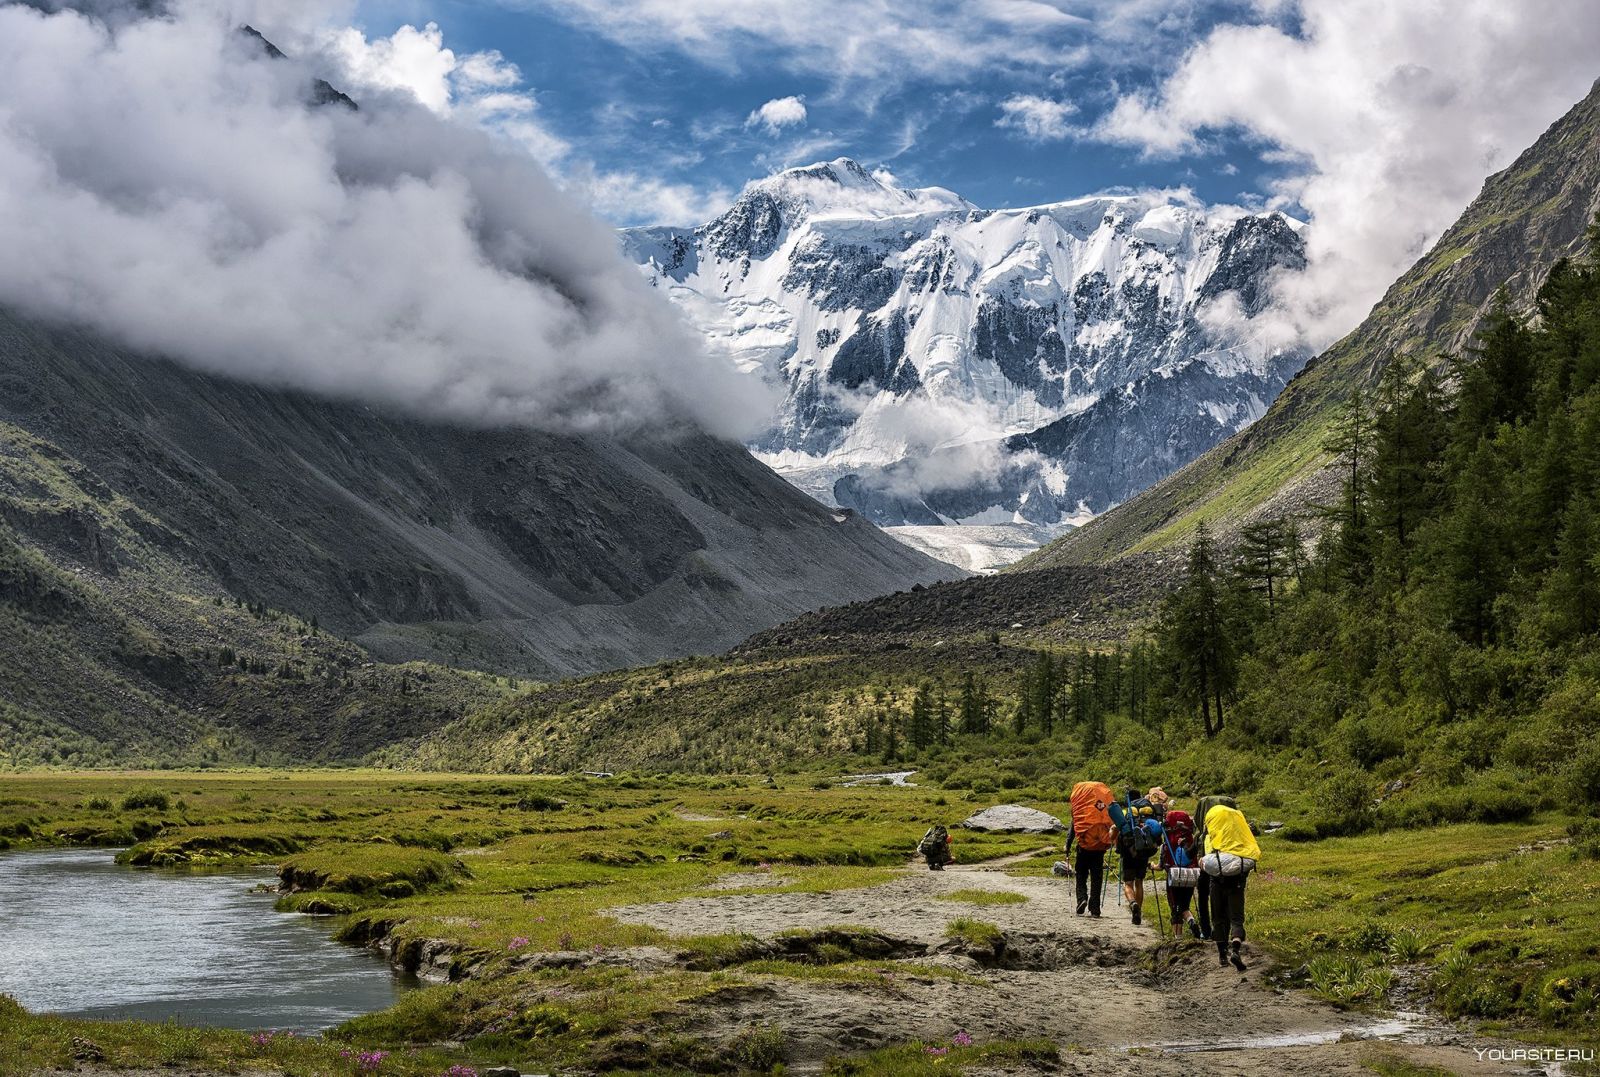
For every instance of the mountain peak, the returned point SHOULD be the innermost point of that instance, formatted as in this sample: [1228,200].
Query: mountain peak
[843,187]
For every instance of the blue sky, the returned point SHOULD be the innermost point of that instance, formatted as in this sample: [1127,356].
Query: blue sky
[667,92]
[1374,121]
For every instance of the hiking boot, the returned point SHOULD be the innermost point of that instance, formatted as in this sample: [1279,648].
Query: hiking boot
[1094,914]
[1222,959]
[1194,929]
[1084,904]
[1133,906]
[1234,957]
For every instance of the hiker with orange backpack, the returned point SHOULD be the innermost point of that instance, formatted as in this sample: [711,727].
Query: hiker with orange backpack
[1094,833]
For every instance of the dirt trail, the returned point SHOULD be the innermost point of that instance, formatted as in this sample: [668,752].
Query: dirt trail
[1108,989]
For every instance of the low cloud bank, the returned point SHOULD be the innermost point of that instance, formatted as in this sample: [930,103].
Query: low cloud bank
[165,181]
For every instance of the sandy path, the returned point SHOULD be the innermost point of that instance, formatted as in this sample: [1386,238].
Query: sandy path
[1100,986]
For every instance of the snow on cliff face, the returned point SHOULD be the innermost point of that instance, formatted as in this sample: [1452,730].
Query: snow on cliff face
[947,364]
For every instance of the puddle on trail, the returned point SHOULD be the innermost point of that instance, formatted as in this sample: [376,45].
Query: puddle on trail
[1403,1026]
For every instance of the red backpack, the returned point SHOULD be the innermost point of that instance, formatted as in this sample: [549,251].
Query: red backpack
[1180,835]
[1092,827]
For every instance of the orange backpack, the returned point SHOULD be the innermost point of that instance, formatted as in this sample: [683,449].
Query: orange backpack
[1091,817]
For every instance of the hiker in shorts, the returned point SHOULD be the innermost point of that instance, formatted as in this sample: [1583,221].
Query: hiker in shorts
[1137,842]
[1203,890]
[1132,868]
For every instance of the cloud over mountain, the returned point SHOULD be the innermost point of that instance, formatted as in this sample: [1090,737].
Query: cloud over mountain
[166,181]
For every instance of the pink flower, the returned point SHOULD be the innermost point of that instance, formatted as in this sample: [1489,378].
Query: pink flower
[460,1071]
[937,1050]
[517,943]
[962,1039]
[370,1061]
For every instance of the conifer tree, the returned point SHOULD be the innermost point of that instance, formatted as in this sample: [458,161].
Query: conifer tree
[1197,637]
[1571,594]
[1350,440]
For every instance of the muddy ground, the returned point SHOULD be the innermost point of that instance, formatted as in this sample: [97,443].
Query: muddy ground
[1118,998]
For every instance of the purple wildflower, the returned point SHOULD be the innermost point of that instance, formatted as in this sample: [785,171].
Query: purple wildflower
[370,1061]
[962,1039]
[517,943]
[460,1071]
[937,1050]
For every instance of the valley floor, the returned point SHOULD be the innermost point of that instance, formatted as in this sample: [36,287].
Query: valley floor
[727,925]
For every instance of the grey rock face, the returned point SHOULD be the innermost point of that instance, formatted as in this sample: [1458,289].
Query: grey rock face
[512,549]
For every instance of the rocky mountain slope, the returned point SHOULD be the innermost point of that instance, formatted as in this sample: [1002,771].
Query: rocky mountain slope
[946,364]
[161,528]
[1529,215]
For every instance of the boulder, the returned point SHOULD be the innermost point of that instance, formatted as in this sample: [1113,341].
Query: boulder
[1013,819]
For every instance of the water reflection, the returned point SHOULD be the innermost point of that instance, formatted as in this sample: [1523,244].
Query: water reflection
[84,936]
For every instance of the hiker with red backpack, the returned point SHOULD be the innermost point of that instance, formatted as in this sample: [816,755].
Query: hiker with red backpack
[1180,858]
[1094,833]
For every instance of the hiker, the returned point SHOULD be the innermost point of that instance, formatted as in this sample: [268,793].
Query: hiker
[1203,890]
[1180,858]
[1138,839]
[935,847]
[1231,853]
[1094,833]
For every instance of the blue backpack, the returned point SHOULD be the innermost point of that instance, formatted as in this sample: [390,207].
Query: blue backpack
[1141,833]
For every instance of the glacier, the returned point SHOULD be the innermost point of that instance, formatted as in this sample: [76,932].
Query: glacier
[1004,373]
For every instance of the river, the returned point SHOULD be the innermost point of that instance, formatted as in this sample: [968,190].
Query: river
[84,936]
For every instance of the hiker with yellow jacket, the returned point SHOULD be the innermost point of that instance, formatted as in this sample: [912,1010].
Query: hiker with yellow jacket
[1230,856]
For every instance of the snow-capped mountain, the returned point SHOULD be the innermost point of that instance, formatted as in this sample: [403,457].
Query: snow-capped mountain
[946,364]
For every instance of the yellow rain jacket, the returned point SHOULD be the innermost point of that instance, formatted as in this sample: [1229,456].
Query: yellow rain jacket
[1228,832]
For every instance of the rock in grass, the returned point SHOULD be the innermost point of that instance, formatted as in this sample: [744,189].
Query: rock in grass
[1014,819]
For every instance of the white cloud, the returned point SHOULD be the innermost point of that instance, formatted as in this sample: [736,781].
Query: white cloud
[187,201]
[1388,115]
[778,113]
[629,198]
[1038,119]
[845,40]
[484,87]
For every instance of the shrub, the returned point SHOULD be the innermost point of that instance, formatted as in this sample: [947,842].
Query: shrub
[1346,979]
[759,1047]
[1344,805]
[146,798]
[1408,945]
